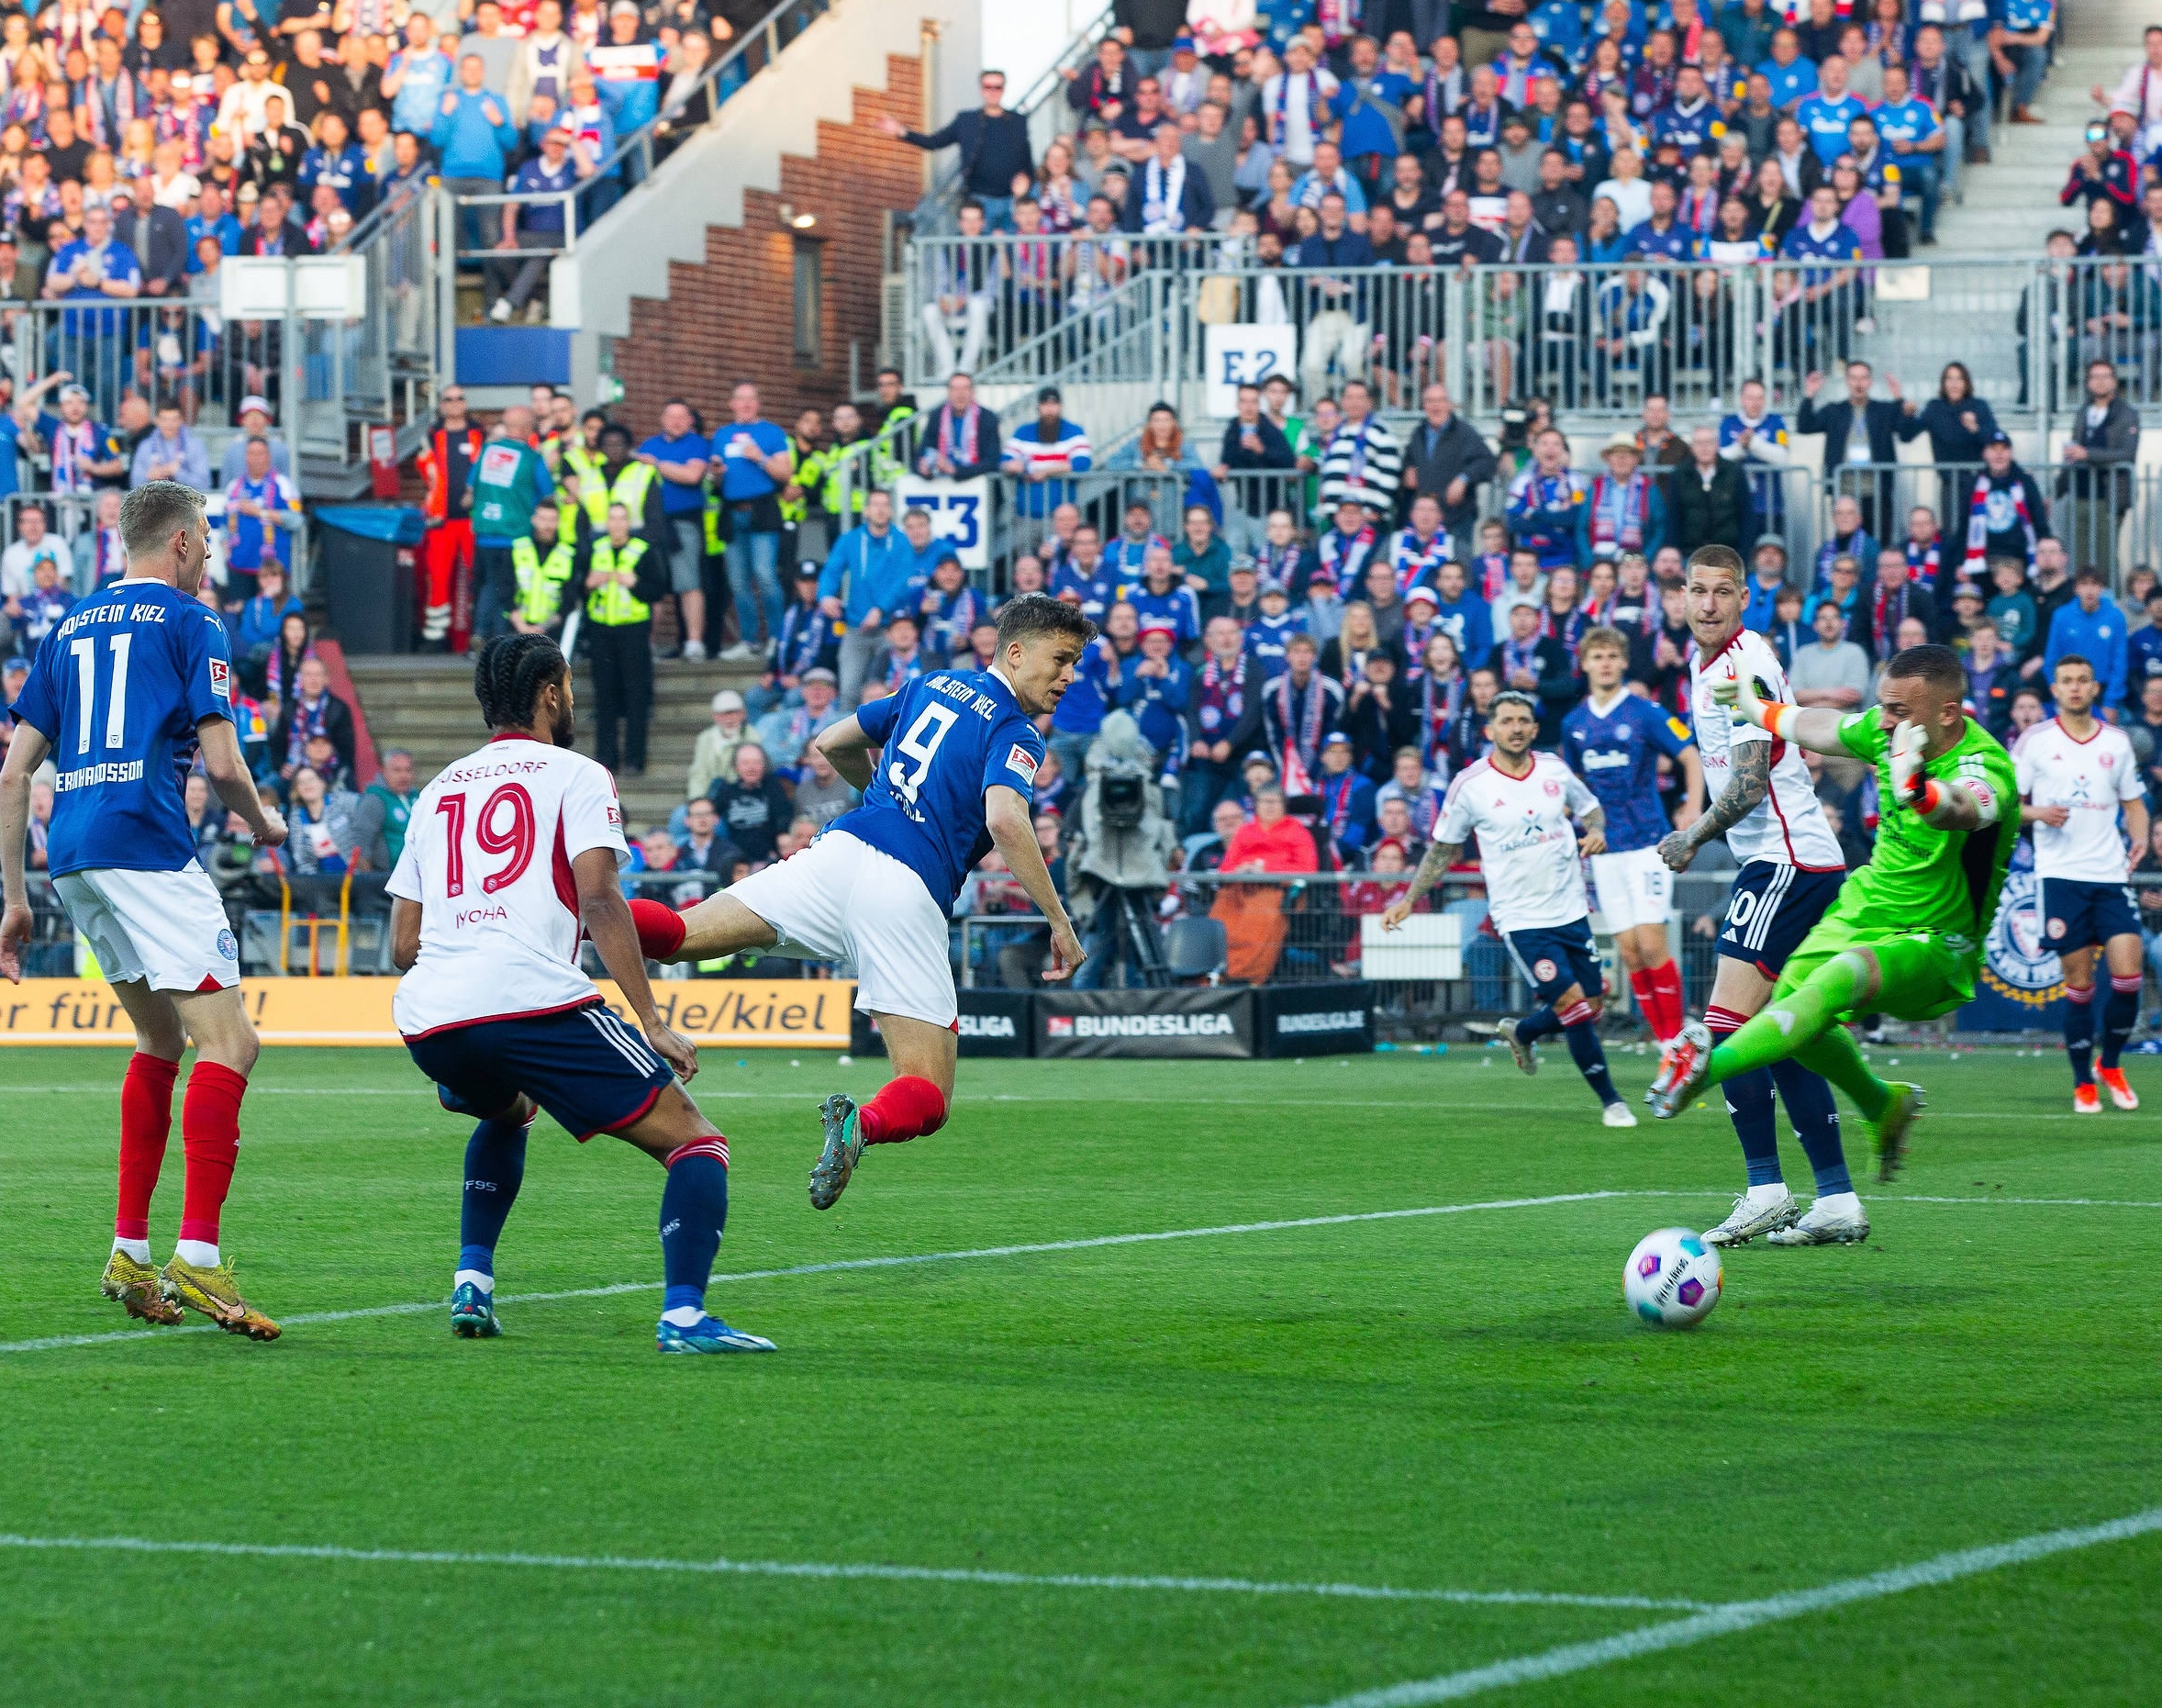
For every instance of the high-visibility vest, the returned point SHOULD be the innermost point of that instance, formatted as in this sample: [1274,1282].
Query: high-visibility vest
[611,603]
[886,467]
[540,579]
[715,545]
[585,467]
[825,468]
[793,510]
[595,493]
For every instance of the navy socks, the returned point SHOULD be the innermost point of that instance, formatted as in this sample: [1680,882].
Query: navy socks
[495,1166]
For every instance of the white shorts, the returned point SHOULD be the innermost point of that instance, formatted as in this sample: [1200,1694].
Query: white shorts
[168,928]
[842,899]
[1634,888]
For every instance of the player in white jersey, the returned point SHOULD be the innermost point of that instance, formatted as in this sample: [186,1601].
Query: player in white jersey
[128,690]
[1520,804]
[511,858]
[1763,803]
[2075,774]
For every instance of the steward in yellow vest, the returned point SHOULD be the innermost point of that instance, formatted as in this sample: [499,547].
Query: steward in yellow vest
[543,561]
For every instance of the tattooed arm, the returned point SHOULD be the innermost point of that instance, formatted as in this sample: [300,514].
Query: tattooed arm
[1743,794]
[1439,859]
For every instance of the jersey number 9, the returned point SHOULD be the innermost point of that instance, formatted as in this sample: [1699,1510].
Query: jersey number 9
[515,838]
[920,743]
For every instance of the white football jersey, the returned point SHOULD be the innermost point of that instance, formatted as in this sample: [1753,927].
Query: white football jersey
[487,856]
[1527,846]
[2088,778]
[1789,827]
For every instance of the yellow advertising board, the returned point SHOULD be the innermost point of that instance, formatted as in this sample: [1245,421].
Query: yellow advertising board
[808,1013]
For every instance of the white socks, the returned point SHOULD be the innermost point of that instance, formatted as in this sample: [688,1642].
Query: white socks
[486,1283]
[683,1316]
[200,1253]
[1841,1204]
[138,1249]
[1770,1193]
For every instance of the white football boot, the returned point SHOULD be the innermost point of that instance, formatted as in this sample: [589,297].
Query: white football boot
[1837,1221]
[1760,1209]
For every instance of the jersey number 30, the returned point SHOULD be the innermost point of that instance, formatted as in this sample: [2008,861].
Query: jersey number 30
[920,743]
[492,834]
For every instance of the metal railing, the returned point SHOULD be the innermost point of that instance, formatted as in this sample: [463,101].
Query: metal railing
[381,367]
[635,156]
[2114,521]
[1593,340]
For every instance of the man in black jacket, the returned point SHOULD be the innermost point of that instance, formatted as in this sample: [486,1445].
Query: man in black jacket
[960,438]
[1893,598]
[1537,663]
[159,237]
[1252,443]
[1859,430]
[2105,444]
[994,145]
[1708,500]
[1446,456]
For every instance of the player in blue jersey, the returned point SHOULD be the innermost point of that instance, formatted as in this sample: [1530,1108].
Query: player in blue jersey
[955,769]
[1613,740]
[124,694]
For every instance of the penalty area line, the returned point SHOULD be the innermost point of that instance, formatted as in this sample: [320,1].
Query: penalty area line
[843,1570]
[54,1343]
[1736,1617]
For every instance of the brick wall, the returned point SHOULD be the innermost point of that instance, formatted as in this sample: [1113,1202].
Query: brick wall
[734,317]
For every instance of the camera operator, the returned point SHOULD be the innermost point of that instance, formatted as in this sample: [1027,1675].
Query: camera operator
[1120,863]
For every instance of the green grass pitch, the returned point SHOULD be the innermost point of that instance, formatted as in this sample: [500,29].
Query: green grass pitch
[1447,1402]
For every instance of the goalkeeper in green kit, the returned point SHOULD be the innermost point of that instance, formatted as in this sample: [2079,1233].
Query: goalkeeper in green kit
[1905,936]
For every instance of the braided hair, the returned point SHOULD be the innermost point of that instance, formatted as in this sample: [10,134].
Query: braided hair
[509,674]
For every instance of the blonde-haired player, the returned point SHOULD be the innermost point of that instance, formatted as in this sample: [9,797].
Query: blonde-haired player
[1764,804]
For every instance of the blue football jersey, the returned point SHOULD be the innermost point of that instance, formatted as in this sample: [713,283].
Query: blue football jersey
[1618,756]
[947,737]
[119,688]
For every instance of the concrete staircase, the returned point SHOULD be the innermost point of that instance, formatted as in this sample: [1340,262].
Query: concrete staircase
[2012,205]
[426,706]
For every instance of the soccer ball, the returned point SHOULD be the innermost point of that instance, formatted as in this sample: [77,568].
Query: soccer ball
[1672,1279]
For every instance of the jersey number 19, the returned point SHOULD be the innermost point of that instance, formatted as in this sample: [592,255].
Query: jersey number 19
[495,830]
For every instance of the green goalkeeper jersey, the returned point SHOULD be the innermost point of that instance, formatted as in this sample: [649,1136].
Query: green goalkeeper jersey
[1922,878]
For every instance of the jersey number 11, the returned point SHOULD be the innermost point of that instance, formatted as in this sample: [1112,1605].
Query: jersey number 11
[85,653]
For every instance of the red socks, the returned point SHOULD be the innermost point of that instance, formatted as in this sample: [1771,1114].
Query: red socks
[1647,1002]
[660,928]
[146,1122]
[210,1135]
[1666,992]
[907,1108]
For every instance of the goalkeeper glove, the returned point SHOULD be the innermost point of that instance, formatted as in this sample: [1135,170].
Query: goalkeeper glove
[1910,782]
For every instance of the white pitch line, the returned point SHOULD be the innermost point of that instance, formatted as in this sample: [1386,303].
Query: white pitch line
[56,1342]
[843,1570]
[1735,1616]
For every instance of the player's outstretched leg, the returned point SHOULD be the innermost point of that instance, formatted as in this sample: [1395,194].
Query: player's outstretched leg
[2118,1020]
[146,1125]
[914,1102]
[495,1169]
[694,1210]
[1765,1204]
[2079,1045]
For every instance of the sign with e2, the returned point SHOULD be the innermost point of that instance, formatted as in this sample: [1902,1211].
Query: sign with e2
[1245,355]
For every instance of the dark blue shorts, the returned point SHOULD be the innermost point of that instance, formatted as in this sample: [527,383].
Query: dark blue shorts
[592,1071]
[2077,915]
[1772,907]
[1554,957]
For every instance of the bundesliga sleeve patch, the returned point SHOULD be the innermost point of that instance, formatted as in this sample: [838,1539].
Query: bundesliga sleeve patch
[1018,759]
[221,679]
